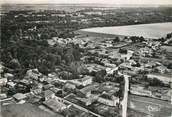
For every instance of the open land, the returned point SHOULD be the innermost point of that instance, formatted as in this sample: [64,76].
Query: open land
[151,31]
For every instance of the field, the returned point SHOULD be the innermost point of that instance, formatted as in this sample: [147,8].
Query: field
[168,48]
[150,31]
[150,106]
[24,110]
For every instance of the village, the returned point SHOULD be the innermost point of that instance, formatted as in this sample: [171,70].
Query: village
[101,87]
[50,66]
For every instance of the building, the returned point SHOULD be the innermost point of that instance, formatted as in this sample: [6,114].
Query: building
[107,99]
[165,78]
[127,56]
[54,104]
[8,75]
[151,64]
[162,69]
[1,67]
[87,90]
[19,96]
[33,74]
[140,90]
[48,94]
[111,70]
[3,96]
[146,52]
[36,91]
[126,65]
[70,85]
[48,86]
[3,81]
[86,80]
[11,84]
[56,90]
[85,101]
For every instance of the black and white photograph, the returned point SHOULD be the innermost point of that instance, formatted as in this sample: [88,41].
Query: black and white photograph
[85,58]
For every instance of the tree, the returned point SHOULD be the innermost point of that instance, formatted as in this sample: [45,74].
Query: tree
[136,65]
[169,35]
[169,66]
[156,82]
[100,76]
[123,51]
[115,40]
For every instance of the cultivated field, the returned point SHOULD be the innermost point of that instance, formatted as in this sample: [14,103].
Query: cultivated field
[151,106]
[24,110]
[152,31]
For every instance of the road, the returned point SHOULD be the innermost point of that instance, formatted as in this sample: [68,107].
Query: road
[125,98]
[7,99]
[80,107]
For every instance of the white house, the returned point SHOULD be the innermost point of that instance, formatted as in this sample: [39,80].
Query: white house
[86,80]
[55,104]
[3,81]
[109,100]
[19,96]
[128,55]
[48,94]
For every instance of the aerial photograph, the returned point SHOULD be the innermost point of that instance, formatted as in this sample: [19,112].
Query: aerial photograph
[86,58]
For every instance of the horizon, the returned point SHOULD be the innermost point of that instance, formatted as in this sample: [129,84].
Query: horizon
[100,2]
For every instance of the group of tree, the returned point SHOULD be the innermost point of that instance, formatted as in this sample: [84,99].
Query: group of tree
[135,39]
[123,51]
[29,54]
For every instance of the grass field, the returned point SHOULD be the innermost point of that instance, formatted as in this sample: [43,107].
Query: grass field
[151,106]
[24,110]
[168,48]
[151,31]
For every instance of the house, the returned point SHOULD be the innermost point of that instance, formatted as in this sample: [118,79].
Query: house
[128,55]
[167,96]
[162,69]
[94,67]
[126,65]
[150,64]
[3,96]
[129,72]
[85,101]
[109,87]
[3,81]
[140,90]
[55,105]
[36,91]
[11,84]
[109,100]
[48,94]
[25,81]
[111,70]
[33,74]
[1,67]
[48,86]
[165,78]
[87,90]
[69,85]
[146,51]
[132,62]
[8,75]
[19,96]
[86,80]
[55,90]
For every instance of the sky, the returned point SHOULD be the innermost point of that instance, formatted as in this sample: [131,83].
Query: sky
[163,2]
